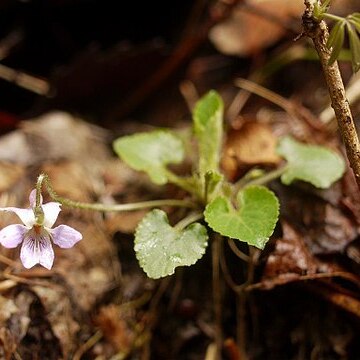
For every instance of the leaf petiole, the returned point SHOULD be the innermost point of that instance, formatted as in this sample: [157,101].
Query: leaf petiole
[191,218]
[260,180]
[186,183]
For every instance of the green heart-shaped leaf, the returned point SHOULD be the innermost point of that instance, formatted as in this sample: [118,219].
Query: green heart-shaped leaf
[314,164]
[160,248]
[253,222]
[150,152]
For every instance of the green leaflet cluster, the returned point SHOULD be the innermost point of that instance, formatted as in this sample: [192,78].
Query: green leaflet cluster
[248,214]
[349,25]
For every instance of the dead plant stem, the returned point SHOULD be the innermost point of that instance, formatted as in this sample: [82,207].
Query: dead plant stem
[87,345]
[217,294]
[318,32]
[242,301]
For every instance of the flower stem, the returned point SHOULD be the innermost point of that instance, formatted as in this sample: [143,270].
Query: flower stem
[44,179]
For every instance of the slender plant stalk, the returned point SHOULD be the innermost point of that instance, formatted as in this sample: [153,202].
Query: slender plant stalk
[43,179]
[318,32]
[271,175]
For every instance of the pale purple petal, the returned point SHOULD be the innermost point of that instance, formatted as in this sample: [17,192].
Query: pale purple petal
[37,250]
[47,255]
[11,236]
[26,215]
[65,236]
[51,212]
[32,198]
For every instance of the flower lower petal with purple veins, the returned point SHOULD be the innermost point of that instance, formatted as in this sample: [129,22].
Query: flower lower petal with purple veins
[11,236]
[37,249]
[51,213]
[65,236]
[47,255]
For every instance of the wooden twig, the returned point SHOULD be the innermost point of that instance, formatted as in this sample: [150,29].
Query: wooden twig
[296,111]
[8,43]
[26,81]
[318,32]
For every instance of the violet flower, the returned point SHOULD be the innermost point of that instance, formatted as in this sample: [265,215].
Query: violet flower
[36,234]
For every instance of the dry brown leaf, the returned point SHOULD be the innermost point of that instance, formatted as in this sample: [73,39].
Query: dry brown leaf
[21,319]
[252,144]
[246,32]
[326,226]
[329,230]
[10,174]
[290,259]
[344,300]
[59,308]
[7,308]
[114,323]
